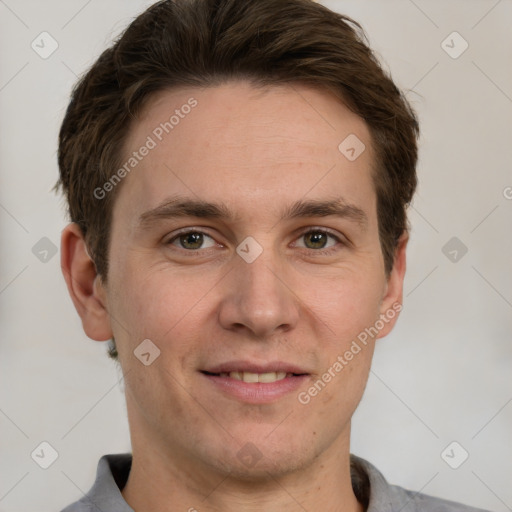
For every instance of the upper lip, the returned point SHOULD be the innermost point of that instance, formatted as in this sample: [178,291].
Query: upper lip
[248,366]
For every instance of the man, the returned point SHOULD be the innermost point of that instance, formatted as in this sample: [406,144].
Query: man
[237,176]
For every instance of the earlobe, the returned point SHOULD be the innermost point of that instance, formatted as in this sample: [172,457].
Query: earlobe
[84,284]
[392,301]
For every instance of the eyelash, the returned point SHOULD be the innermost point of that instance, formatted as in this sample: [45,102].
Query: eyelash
[322,251]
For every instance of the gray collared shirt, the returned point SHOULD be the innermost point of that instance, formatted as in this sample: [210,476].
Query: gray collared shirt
[369,486]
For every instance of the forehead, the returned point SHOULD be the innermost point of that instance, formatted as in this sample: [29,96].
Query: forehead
[246,146]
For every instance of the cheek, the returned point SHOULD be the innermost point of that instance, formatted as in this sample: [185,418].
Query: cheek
[346,304]
[152,303]
[343,379]
[348,309]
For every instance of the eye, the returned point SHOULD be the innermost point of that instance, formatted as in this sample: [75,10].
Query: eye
[191,240]
[318,239]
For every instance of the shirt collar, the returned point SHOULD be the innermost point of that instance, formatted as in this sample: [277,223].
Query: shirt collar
[111,477]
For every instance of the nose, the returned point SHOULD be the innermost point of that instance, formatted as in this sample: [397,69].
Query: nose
[258,299]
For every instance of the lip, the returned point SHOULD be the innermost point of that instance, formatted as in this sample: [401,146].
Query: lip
[249,366]
[256,392]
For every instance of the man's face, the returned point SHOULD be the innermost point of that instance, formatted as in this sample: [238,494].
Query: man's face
[290,298]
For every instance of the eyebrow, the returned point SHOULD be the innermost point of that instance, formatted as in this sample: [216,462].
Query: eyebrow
[180,206]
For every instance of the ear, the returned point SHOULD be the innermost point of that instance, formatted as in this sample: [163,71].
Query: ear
[84,284]
[391,304]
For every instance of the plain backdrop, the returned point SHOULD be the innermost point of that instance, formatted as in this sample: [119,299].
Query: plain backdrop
[442,376]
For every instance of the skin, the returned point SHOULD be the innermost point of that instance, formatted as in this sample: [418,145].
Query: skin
[255,151]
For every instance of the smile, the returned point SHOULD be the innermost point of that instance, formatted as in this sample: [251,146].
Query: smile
[256,377]
[267,385]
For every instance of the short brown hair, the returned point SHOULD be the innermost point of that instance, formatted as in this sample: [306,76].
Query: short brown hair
[180,43]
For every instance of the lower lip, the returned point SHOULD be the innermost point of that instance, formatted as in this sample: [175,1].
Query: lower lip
[257,392]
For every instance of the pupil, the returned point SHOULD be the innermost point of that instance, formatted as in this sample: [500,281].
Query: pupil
[317,239]
[194,239]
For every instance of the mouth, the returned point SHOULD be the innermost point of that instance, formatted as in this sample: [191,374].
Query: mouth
[255,383]
[252,377]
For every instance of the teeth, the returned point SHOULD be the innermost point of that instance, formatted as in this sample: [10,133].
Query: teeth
[257,377]
[271,377]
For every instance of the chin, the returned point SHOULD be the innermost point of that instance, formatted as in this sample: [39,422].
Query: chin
[260,461]
[265,469]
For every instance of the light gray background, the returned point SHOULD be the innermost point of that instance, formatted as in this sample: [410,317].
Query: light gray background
[443,375]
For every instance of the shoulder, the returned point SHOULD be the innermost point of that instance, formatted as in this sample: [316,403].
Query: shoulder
[105,494]
[378,495]
[80,506]
[418,502]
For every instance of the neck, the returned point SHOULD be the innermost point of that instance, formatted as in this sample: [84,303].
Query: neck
[163,479]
